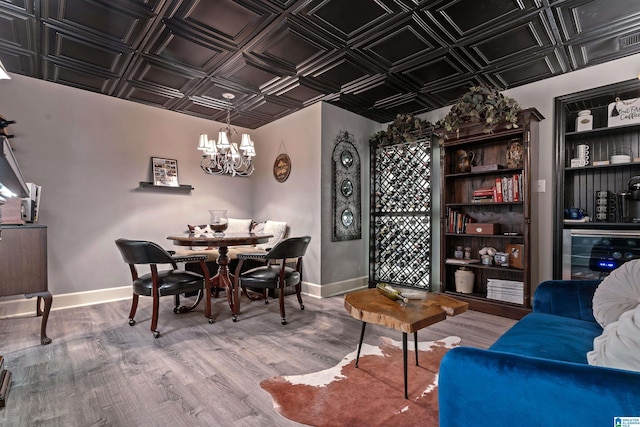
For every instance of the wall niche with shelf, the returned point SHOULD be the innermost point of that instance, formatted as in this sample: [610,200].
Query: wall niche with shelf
[580,186]
[475,194]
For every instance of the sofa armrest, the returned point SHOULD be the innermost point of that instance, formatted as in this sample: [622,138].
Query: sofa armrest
[568,298]
[483,387]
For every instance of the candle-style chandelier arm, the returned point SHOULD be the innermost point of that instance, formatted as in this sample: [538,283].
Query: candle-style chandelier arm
[225,157]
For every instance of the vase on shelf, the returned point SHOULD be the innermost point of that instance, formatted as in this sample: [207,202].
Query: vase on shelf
[464,279]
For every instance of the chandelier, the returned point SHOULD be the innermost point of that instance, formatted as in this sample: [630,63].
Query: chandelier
[225,157]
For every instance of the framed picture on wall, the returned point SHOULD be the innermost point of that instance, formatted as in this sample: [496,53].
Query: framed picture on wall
[165,172]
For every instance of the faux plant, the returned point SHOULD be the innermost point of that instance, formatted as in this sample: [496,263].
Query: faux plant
[482,104]
[404,128]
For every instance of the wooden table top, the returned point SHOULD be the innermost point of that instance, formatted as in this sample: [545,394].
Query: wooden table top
[226,239]
[370,306]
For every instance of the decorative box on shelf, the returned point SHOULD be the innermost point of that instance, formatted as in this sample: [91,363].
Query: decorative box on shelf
[480,228]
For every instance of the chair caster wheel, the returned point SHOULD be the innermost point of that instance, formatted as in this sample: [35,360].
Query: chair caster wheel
[283,321]
[301,307]
[234,318]
[132,322]
[266,301]
[211,321]
[176,310]
[156,334]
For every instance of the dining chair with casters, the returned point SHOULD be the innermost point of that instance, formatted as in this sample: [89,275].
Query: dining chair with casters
[282,269]
[165,282]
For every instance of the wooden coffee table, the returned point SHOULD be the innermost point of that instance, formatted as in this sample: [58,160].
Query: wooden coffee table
[370,306]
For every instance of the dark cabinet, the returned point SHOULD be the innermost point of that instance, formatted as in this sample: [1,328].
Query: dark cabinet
[487,202]
[23,267]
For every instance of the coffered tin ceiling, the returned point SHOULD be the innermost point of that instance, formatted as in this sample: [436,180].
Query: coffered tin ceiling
[376,58]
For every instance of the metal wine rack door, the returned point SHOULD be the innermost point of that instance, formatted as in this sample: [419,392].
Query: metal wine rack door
[400,224]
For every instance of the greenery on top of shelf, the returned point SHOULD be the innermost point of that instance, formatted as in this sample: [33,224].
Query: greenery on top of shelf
[405,128]
[481,104]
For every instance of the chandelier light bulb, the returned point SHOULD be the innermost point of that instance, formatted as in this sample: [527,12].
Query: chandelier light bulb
[204,142]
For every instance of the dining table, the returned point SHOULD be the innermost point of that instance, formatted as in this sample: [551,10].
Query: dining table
[222,279]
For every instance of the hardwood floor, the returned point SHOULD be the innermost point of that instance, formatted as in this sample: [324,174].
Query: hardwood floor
[101,371]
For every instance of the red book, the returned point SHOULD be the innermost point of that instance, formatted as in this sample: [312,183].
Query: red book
[516,188]
[498,195]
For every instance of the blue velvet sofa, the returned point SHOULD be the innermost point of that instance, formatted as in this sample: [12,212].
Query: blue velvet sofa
[537,373]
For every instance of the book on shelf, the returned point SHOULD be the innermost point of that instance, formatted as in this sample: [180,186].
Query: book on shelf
[457,221]
[509,188]
[457,261]
[482,199]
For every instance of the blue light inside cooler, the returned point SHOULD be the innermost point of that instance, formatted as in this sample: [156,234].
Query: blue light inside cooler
[607,265]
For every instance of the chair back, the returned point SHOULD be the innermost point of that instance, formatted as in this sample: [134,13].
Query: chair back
[143,252]
[293,247]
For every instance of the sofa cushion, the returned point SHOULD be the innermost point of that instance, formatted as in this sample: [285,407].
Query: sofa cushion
[276,228]
[619,344]
[236,225]
[618,293]
[549,336]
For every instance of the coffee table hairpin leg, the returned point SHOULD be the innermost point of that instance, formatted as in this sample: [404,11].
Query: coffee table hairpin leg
[404,353]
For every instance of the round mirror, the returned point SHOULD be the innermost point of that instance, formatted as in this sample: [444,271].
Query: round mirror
[347,217]
[346,188]
[346,158]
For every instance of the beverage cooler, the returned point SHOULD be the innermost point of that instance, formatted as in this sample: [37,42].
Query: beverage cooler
[592,254]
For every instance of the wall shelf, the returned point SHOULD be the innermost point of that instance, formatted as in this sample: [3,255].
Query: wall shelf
[179,189]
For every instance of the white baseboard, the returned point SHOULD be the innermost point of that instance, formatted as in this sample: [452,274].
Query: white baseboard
[19,306]
[335,288]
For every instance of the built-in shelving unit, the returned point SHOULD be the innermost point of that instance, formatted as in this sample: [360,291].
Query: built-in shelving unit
[576,187]
[513,220]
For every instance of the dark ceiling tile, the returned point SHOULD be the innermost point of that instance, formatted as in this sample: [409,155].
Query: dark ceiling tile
[462,18]
[20,5]
[341,71]
[434,72]
[201,107]
[233,21]
[302,91]
[585,52]
[245,73]
[16,29]
[524,39]
[154,72]
[269,106]
[65,45]
[124,21]
[395,45]
[192,50]
[534,68]
[289,45]
[19,62]
[78,77]
[579,18]
[448,94]
[149,95]
[345,20]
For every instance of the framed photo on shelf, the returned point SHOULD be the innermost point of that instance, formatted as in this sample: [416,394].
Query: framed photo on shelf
[516,255]
[165,172]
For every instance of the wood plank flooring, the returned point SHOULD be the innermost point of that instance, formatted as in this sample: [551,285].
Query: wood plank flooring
[101,371]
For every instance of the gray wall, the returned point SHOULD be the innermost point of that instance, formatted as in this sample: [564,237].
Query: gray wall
[89,151]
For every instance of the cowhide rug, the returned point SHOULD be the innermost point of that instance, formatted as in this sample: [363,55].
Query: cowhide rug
[370,395]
